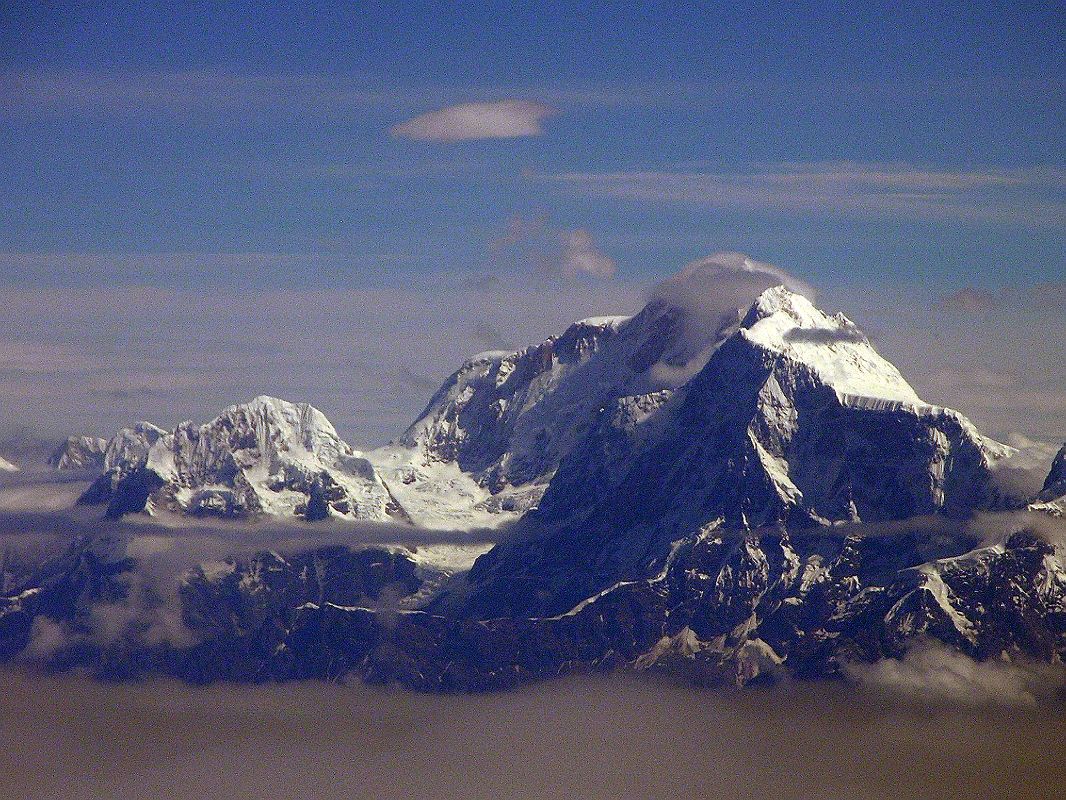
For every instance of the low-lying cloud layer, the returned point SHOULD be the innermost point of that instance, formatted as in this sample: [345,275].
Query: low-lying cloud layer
[589,737]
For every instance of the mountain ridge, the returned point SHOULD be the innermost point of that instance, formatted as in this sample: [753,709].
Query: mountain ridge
[746,490]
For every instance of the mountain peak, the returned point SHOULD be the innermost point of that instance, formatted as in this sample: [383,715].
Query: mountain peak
[782,300]
[723,284]
[832,346]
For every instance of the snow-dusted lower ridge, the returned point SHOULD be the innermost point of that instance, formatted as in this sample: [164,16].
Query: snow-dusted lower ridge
[262,457]
[733,606]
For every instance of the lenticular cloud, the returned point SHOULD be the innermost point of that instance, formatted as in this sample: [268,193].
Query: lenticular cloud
[500,119]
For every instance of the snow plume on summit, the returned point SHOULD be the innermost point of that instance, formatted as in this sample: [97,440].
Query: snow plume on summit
[723,283]
[710,295]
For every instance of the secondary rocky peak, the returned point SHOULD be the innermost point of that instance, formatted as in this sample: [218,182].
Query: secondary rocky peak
[265,456]
[1056,478]
[79,452]
[1052,498]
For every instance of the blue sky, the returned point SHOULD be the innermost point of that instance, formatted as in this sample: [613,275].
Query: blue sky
[258,147]
[338,205]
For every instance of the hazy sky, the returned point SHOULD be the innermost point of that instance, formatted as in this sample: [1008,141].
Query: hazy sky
[199,206]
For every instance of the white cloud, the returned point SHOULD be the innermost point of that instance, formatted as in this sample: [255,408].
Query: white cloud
[711,291]
[933,674]
[499,119]
[580,256]
[533,246]
[1022,475]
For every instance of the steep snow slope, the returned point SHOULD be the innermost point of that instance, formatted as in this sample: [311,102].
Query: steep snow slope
[266,456]
[795,420]
[7,466]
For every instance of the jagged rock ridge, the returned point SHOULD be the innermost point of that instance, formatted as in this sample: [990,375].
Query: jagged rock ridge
[80,452]
[794,421]
[262,457]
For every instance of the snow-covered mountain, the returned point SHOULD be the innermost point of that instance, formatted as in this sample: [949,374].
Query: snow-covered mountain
[262,457]
[492,437]
[80,452]
[762,413]
[7,466]
[794,421]
[730,480]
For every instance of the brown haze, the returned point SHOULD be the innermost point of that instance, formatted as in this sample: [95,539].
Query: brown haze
[583,737]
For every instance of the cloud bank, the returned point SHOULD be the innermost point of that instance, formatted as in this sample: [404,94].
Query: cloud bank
[92,360]
[932,674]
[587,737]
[498,119]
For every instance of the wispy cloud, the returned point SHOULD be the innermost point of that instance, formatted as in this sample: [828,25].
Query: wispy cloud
[1031,196]
[579,255]
[499,119]
[118,91]
[177,268]
[533,246]
[973,300]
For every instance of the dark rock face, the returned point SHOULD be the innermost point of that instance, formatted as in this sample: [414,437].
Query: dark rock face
[1054,490]
[754,440]
[721,606]
[123,493]
[228,621]
[1056,478]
